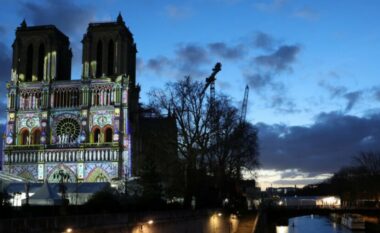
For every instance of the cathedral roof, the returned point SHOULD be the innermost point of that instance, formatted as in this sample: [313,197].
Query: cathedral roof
[119,23]
[40,28]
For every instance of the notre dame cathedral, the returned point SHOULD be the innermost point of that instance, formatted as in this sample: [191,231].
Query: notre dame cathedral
[84,129]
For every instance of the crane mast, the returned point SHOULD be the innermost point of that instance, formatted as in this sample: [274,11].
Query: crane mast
[244,105]
[210,81]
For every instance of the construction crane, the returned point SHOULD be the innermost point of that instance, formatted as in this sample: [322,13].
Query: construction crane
[244,105]
[210,81]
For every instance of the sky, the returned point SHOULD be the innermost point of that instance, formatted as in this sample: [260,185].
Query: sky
[312,67]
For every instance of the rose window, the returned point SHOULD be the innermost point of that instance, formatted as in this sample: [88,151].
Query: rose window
[68,128]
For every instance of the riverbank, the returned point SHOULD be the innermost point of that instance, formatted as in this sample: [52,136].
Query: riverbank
[205,221]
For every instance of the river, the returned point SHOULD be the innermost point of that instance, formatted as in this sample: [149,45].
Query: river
[313,224]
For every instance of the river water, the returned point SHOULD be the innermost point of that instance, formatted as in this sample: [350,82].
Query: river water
[313,224]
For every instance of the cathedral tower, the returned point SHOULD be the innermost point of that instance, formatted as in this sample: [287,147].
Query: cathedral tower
[109,51]
[40,53]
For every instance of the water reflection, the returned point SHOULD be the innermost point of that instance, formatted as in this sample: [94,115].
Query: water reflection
[313,224]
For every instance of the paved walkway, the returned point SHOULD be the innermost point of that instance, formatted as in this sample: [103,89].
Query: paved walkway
[247,224]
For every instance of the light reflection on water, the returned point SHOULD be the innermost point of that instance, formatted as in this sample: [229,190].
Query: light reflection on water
[313,224]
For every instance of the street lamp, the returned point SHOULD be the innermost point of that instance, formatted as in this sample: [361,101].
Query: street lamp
[149,222]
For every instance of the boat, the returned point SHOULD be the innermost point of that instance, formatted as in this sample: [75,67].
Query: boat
[353,221]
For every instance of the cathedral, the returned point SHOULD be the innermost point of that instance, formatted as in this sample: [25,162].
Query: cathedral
[80,130]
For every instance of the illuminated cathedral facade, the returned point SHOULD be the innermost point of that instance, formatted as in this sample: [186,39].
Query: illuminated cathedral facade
[77,130]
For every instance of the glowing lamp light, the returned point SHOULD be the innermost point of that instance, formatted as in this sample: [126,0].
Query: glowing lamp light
[150,222]
[84,113]
[282,229]
[11,116]
[69,230]
[220,214]
[9,140]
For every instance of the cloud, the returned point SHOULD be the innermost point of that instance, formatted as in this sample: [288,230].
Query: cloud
[323,147]
[259,81]
[66,15]
[279,60]
[177,12]
[5,61]
[159,64]
[352,98]
[192,54]
[2,30]
[306,13]
[190,58]
[334,74]
[376,93]
[223,50]
[5,75]
[266,68]
[283,104]
[277,100]
[288,177]
[263,41]
[334,91]
[271,6]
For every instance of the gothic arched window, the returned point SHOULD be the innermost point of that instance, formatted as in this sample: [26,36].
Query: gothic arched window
[108,134]
[24,137]
[29,64]
[99,59]
[111,49]
[96,135]
[36,136]
[41,56]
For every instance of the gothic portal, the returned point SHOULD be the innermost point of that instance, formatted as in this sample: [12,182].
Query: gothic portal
[79,130]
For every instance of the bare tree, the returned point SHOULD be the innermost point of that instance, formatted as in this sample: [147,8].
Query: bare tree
[212,141]
[186,101]
[370,161]
[235,146]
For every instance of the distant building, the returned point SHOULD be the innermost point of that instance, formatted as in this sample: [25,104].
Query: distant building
[158,144]
[310,201]
[251,192]
[281,191]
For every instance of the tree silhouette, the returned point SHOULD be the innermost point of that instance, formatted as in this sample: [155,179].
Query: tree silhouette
[212,142]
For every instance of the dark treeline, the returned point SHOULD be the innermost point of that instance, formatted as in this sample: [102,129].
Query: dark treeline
[357,185]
